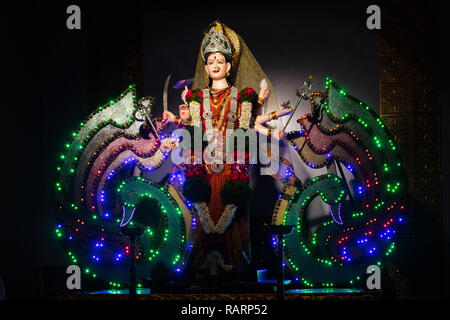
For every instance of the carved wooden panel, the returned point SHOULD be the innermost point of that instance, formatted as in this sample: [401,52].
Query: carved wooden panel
[390,43]
[400,128]
[395,69]
[396,99]
[425,160]
[424,68]
[425,99]
[424,187]
[409,95]
[426,131]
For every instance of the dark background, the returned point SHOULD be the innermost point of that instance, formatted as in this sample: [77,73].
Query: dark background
[289,41]
[55,77]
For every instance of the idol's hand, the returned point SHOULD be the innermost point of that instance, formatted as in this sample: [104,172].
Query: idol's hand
[273,115]
[264,93]
[278,134]
[168,116]
[185,113]
[167,145]
[284,112]
[183,94]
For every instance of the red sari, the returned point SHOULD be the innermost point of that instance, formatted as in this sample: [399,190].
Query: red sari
[234,243]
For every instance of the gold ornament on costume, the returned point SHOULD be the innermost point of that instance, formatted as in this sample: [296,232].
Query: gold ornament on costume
[273,115]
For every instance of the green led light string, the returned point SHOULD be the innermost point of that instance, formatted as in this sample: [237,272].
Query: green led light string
[173,249]
[118,112]
[80,228]
[314,258]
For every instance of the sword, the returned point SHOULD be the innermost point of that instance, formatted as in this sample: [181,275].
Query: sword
[166,89]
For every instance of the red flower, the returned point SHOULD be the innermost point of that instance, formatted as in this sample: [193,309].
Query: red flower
[189,94]
[243,176]
[249,91]
[200,93]
[234,176]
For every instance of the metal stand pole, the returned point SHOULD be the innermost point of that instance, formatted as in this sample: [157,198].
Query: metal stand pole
[280,280]
[292,114]
[132,286]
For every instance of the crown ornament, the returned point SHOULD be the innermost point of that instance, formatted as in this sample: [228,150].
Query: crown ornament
[216,41]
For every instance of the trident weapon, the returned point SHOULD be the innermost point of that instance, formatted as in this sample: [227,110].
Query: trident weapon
[145,112]
[303,93]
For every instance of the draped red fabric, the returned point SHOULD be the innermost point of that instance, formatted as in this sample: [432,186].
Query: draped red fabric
[235,240]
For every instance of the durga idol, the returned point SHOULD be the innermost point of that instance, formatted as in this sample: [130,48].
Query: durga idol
[220,191]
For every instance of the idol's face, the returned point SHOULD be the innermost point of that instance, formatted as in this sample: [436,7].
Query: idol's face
[217,66]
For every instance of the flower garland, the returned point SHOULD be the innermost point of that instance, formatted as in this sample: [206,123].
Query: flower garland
[246,114]
[247,97]
[194,108]
[208,224]
[194,97]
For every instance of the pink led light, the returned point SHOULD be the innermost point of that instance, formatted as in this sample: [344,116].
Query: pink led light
[340,222]
[123,216]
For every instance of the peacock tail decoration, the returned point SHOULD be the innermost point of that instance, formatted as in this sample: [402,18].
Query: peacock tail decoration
[96,190]
[365,212]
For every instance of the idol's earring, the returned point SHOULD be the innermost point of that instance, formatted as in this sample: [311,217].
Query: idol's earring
[207,79]
[228,73]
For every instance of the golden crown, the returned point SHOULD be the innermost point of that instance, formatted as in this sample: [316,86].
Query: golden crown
[216,41]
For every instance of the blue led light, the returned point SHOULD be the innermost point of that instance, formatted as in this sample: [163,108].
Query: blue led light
[102,196]
[129,160]
[288,173]
[110,174]
[360,189]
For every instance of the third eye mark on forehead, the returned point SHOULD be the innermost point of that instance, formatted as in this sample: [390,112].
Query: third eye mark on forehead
[212,58]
